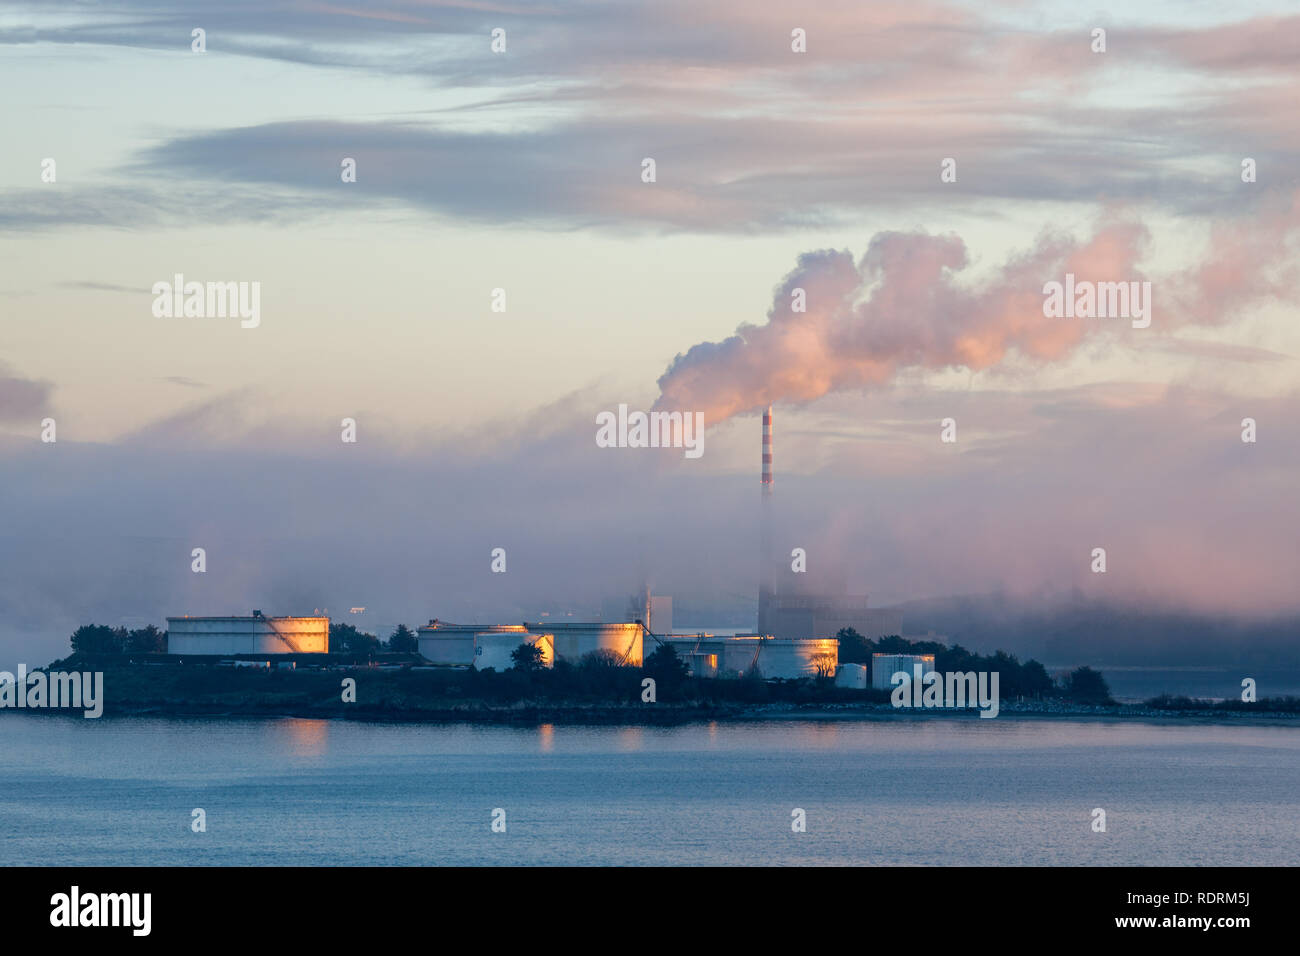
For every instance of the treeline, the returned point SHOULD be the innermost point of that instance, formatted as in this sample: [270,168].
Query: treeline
[1015,679]
[346,639]
[102,639]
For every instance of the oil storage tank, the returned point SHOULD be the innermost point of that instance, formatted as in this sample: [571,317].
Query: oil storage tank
[885,666]
[254,634]
[493,648]
[572,642]
[852,675]
[791,658]
[453,645]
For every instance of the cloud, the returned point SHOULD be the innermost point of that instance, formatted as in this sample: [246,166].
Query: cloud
[99,287]
[185,381]
[22,398]
[748,135]
[148,205]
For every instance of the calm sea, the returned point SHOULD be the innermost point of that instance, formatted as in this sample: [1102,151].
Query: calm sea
[1215,683]
[894,791]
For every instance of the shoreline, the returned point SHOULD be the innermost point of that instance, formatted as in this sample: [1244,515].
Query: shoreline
[524,714]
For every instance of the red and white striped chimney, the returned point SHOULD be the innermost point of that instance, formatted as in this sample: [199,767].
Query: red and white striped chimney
[766,570]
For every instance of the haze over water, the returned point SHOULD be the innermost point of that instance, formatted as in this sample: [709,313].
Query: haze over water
[895,791]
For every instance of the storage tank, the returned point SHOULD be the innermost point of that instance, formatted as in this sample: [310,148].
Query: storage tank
[254,634]
[452,645]
[852,675]
[573,641]
[493,648]
[739,655]
[885,666]
[790,658]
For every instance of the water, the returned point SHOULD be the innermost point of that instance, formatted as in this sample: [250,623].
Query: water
[1215,683]
[895,791]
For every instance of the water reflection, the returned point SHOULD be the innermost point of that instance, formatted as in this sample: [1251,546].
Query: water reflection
[300,736]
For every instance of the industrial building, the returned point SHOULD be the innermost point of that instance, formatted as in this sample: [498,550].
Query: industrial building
[655,611]
[707,655]
[795,614]
[255,634]
[885,666]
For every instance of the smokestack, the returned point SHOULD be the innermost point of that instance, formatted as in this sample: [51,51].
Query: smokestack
[766,577]
[767,454]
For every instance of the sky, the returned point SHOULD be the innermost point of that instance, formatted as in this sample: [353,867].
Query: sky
[523,169]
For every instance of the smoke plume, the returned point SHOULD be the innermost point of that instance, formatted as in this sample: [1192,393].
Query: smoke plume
[903,307]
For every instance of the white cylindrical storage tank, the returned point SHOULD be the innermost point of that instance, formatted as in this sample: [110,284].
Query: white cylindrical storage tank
[853,676]
[790,658]
[575,641]
[452,645]
[255,634]
[493,648]
[291,635]
[696,650]
[739,655]
[885,666]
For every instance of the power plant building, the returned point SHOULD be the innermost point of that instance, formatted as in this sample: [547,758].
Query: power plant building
[255,634]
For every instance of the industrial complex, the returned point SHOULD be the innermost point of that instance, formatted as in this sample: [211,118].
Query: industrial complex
[795,636]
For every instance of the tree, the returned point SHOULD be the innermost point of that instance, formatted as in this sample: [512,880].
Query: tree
[896,644]
[403,641]
[1035,679]
[824,664]
[1087,686]
[528,658]
[601,659]
[665,666]
[146,640]
[854,648]
[98,639]
[346,639]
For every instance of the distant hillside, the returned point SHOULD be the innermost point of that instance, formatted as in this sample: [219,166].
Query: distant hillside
[1069,629]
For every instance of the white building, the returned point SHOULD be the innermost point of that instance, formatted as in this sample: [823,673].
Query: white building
[255,634]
